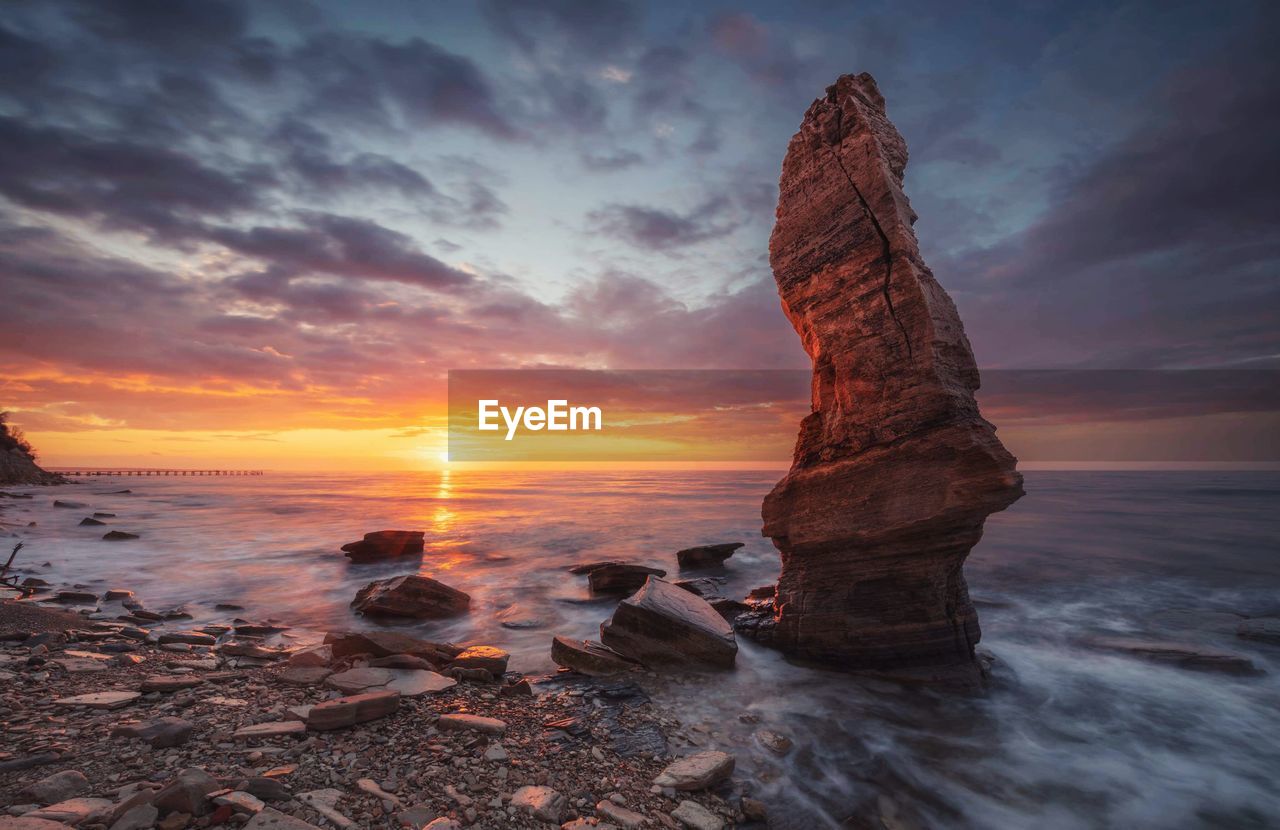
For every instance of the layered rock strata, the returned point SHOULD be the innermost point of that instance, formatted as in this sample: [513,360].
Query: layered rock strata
[894,470]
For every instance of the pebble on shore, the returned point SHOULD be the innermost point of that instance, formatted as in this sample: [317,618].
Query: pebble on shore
[208,735]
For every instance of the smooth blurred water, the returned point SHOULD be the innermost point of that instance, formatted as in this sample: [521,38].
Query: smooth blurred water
[1069,737]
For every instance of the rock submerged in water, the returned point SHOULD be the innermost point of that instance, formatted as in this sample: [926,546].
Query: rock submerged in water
[1182,655]
[419,597]
[664,625]
[706,556]
[894,470]
[385,544]
[616,577]
[1261,629]
[119,536]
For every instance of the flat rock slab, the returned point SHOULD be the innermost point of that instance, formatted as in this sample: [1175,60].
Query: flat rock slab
[166,683]
[418,682]
[73,811]
[237,648]
[665,625]
[1262,629]
[401,661]
[355,681]
[1182,655]
[1193,619]
[240,802]
[349,711]
[100,700]
[195,638]
[387,643]
[312,657]
[694,816]
[275,729]
[80,665]
[75,597]
[588,657]
[706,556]
[270,819]
[696,772]
[471,723]
[304,675]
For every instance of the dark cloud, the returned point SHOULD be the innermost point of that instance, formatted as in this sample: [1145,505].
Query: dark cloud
[341,246]
[1161,250]
[118,183]
[659,229]
[412,83]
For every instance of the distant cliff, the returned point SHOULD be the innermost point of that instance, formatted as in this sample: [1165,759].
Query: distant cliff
[17,459]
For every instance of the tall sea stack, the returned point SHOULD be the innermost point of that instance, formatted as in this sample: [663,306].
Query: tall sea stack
[894,471]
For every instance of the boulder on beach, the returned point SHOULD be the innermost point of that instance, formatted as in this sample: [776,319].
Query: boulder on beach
[662,625]
[385,544]
[57,787]
[489,658]
[161,733]
[696,772]
[343,712]
[588,657]
[420,597]
[616,577]
[706,556]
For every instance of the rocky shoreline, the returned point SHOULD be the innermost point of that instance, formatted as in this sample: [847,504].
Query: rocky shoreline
[118,717]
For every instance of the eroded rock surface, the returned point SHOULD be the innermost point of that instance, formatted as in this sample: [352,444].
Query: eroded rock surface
[664,625]
[385,544]
[895,470]
[415,596]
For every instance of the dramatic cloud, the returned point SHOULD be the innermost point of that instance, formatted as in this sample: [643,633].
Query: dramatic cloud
[659,229]
[1162,250]
[232,216]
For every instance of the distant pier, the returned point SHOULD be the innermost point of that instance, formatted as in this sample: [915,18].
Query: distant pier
[89,471]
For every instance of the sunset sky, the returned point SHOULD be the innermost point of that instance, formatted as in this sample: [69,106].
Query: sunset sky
[261,234]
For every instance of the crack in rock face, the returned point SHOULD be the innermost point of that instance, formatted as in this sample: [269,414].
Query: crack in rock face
[894,470]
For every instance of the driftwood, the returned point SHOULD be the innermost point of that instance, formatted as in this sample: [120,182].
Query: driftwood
[12,581]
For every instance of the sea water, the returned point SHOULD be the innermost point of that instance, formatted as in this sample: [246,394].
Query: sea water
[1068,736]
